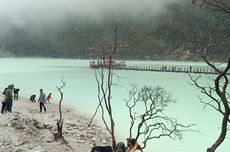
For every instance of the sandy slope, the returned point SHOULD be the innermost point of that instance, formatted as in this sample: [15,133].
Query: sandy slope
[26,129]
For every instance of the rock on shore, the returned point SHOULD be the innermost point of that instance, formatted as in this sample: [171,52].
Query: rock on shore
[28,130]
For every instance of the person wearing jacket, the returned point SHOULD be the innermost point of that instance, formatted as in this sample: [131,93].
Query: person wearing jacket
[9,97]
[42,100]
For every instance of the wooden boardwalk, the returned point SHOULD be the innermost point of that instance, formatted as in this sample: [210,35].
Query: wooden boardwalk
[163,68]
[170,68]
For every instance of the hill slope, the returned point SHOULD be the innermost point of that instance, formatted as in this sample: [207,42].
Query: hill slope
[175,34]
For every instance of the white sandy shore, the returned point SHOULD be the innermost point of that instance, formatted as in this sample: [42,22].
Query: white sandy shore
[28,130]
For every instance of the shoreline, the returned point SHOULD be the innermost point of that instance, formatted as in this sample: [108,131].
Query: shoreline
[26,129]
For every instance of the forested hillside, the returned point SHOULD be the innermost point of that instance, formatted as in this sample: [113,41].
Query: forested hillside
[173,34]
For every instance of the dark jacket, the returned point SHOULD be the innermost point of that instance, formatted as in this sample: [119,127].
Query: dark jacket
[9,93]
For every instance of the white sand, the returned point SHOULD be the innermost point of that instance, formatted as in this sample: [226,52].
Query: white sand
[40,139]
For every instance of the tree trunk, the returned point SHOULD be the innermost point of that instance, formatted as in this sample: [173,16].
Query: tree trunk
[222,134]
[58,135]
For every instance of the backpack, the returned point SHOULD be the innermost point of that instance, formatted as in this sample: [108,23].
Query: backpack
[102,149]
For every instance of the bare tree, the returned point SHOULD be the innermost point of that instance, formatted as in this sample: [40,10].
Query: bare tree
[219,98]
[222,6]
[59,135]
[104,80]
[146,110]
[218,91]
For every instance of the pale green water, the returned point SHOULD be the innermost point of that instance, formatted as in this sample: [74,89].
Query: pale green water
[81,92]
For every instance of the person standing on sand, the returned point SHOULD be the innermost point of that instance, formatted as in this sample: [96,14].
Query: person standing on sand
[42,100]
[9,97]
[49,98]
[3,104]
[16,90]
[3,100]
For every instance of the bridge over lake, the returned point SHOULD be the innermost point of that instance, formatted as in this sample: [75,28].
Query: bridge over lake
[159,68]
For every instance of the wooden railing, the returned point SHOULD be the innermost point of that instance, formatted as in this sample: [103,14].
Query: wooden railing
[163,68]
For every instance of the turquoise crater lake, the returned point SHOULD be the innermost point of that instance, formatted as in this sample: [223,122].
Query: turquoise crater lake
[81,93]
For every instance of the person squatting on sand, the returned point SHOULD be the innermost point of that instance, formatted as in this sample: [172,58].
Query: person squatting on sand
[32,98]
[42,100]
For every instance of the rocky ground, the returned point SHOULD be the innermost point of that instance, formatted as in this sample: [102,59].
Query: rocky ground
[28,130]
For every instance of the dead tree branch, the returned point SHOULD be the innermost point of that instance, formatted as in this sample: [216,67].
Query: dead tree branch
[104,87]
[146,111]
[222,6]
[219,98]
[59,135]
[100,99]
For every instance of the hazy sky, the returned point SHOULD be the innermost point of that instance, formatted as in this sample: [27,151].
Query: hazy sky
[20,11]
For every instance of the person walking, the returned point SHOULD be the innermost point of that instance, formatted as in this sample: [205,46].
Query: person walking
[42,100]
